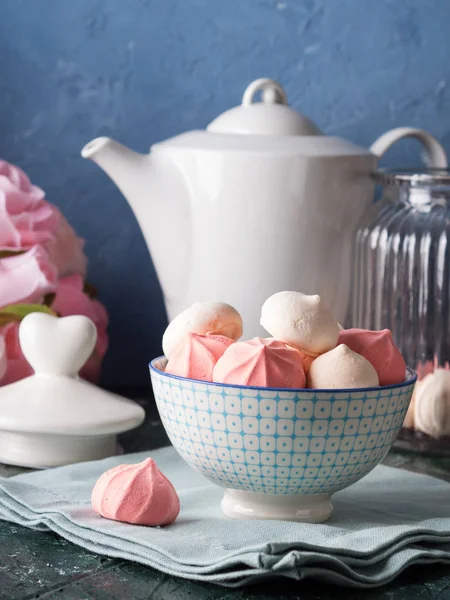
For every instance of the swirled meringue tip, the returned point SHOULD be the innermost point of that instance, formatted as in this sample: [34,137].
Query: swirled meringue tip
[195,356]
[203,318]
[379,349]
[301,321]
[341,368]
[261,362]
[139,494]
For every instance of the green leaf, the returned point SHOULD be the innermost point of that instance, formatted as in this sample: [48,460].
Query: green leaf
[16,312]
[7,319]
[8,253]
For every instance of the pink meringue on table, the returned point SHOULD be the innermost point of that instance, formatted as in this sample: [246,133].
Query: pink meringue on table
[138,494]
[262,363]
[379,349]
[195,356]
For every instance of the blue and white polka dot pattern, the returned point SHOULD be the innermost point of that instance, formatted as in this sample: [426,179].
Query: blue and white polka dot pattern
[279,442]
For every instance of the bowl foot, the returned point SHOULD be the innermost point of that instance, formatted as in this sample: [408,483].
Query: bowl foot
[305,508]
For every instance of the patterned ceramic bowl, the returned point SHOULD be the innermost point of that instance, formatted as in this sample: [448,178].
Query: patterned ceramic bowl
[279,453]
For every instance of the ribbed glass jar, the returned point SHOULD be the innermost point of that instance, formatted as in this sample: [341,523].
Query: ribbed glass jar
[401,278]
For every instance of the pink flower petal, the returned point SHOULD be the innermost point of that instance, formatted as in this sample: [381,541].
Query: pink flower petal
[71,300]
[26,278]
[92,369]
[17,366]
[17,199]
[16,175]
[101,314]
[9,234]
[66,249]
[11,335]
[27,219]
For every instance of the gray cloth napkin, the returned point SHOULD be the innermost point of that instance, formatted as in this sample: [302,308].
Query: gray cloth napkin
[382,524]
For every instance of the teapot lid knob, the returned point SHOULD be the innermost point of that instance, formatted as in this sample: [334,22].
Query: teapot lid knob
[272,92]
[271,116]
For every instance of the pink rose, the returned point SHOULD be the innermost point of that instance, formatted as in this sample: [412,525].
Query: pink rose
[27,219]
[71,300]
[46,257]
[26,278]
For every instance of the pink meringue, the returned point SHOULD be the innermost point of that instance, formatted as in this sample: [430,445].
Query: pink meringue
[138,494]
[380,350]
[262,363]
[195,356]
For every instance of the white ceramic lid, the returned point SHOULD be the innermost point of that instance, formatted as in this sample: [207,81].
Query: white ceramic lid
[53,417]
[269,126]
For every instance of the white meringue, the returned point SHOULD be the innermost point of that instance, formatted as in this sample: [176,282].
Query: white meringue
[300,320]
[432,404]
[341,368]
[203,318]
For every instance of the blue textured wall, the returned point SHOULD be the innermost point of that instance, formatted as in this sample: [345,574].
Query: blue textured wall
[143,70]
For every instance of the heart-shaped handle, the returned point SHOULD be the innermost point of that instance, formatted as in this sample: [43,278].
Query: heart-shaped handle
[57,346]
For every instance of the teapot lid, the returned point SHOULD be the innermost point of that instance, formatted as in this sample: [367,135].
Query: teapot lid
[271,116]
[53,417]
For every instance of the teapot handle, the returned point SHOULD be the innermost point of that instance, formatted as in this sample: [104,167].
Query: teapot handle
[435,156]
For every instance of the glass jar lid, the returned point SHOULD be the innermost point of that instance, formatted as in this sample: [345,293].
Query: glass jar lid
[413,177]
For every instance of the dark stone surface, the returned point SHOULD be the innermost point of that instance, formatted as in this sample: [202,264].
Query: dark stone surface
[43,565]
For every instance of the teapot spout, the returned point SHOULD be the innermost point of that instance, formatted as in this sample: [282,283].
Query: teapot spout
[157,192]
[124,166]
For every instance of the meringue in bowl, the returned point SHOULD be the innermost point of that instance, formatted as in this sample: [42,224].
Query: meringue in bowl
[279,453]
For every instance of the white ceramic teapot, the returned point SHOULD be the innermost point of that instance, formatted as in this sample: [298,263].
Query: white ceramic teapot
[260,202]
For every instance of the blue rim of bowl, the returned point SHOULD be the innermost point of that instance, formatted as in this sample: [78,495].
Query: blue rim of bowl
[412,379]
